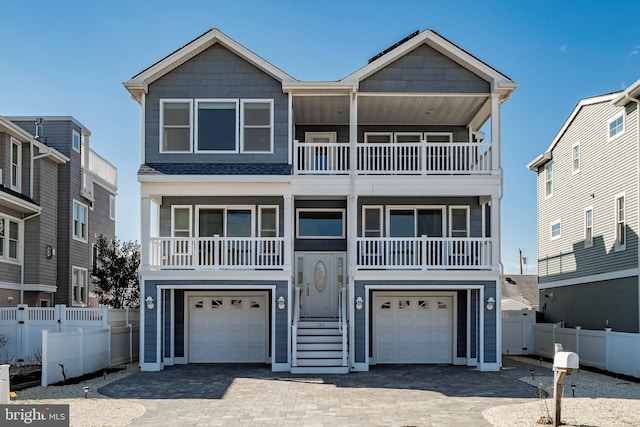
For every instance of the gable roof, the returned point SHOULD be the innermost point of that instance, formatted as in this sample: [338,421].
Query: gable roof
[6,125]
[543,158]
[140,82]
[499,82]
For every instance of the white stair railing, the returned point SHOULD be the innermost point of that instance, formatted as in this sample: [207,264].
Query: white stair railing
[294,327]
[342,322]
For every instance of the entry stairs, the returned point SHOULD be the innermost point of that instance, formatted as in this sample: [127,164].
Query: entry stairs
[320,348]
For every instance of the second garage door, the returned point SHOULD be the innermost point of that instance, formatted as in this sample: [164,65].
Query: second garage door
[227,329]
[413,329]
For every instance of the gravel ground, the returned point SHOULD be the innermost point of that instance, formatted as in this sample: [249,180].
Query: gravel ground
[599,400]
[96,410]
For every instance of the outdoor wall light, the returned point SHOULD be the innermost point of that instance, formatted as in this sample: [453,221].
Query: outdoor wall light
[491,303]
[281,302]
[359,302]
[149,301]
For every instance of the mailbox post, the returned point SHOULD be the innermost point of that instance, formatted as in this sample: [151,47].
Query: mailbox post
[563,362]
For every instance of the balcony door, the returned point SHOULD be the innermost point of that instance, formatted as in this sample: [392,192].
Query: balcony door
[410,223]
[322,281]
[320,159]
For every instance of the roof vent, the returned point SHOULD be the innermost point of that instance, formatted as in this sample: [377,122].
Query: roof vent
[39,126]
[390,48]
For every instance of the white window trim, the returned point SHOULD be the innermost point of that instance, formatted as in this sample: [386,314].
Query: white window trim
[575,170]
[16,186]
[194,137]
[588,244]
[617,246]
[112,207]
[75,301]
[449,134]
[84,239]
[342,211]
[450,221]
[546,180]
[5,257]
[260,209]
[420,136]
[173,217]
[415,209]
[161,129]
[226,208]
[368,134]
[551,236]
[364,219]
[73,135]
[242,126]
[613,119]
[331,136]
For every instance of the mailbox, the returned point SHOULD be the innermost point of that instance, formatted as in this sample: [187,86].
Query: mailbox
[566,360]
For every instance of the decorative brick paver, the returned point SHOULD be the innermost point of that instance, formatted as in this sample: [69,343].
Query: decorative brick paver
[418,395]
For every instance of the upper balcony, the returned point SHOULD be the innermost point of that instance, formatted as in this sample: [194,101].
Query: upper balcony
[419,158]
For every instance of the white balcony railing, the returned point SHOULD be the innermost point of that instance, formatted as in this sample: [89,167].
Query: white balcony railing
[420,158]
[103,170]
[424,253]
[216,252]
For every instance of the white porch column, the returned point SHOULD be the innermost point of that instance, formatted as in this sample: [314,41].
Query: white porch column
[290,132]
[352,233]
[288,231]
[495,134]
[145,232]
[495,234]
[353,133]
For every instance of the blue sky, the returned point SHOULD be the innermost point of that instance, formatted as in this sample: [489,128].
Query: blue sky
[70,58]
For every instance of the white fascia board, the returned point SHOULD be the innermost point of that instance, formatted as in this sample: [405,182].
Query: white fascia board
[14,130]
[19,204]
[194,179]
[590,279]
[396,277]
[29,287]
[83,128]
[539,161]
[207,189]
[582,103]
[198,276]
[182,55]
[57,156]
[498,80]
[627,95]
[319,88]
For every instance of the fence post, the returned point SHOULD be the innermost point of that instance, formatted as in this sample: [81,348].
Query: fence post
[578,339]
[21,317]
[45,355]
[109,345]
[130,343]
[606,348]
[81,332]
[5,385]
[105,315]
[553,334]
[62,319]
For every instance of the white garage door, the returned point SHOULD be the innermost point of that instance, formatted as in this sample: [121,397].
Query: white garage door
[227,329]
[413,329]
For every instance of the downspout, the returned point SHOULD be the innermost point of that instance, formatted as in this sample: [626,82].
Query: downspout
[31,159]
[637,182]
[22,259]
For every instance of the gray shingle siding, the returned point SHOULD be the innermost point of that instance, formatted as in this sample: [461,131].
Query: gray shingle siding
[219,74]
[490,325]
[360,331]
[150,325]
[594,185]
[281,328]
[424,70]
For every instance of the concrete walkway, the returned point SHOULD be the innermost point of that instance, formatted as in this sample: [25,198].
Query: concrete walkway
[211,395]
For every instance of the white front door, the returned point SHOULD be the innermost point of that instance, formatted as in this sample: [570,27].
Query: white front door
[413,329]
[323,278]
[227,329]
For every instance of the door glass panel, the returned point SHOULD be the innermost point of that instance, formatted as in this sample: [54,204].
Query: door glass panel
[372,222]
[268,222]
[320,276]
[459,223]
[238,223]
[430,222]
[210,222]
[401,223]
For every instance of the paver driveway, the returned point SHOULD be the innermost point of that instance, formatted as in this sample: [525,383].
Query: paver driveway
[424,395]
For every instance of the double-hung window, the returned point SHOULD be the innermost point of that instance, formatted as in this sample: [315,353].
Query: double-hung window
[548,178]
[16,165]
[615,126]
[575,157]
[80,221]
[257,125]
[9,239]
[621,229]
[217,125]
[556,229]
[588,227]
[75,141]
[79,285]
[175,126]
[112,207]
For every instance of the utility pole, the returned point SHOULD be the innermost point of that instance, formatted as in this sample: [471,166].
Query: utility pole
[520,253]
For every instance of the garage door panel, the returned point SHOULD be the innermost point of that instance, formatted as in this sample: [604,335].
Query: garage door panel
[414,329]
[227,329]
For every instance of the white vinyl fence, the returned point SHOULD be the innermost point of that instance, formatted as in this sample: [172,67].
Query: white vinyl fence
[611,351]
[517,331]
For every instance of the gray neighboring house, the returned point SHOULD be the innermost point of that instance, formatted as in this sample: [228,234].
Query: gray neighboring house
[520,291]
[63,200]
[320,227]
[588,222]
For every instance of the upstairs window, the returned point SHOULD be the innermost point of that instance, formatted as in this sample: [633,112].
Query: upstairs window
[320,224]
[588,227]
[9,239]
[112,207]
[459,221]
[548,172]
[175,123]
[257,126]
[181,221]
[79,285]
[80,221]
[268,221]
[556,230]
[16,165]
[75,141]
[621,229]
[575,155]
[217,125]
[372,222]
[616,126]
